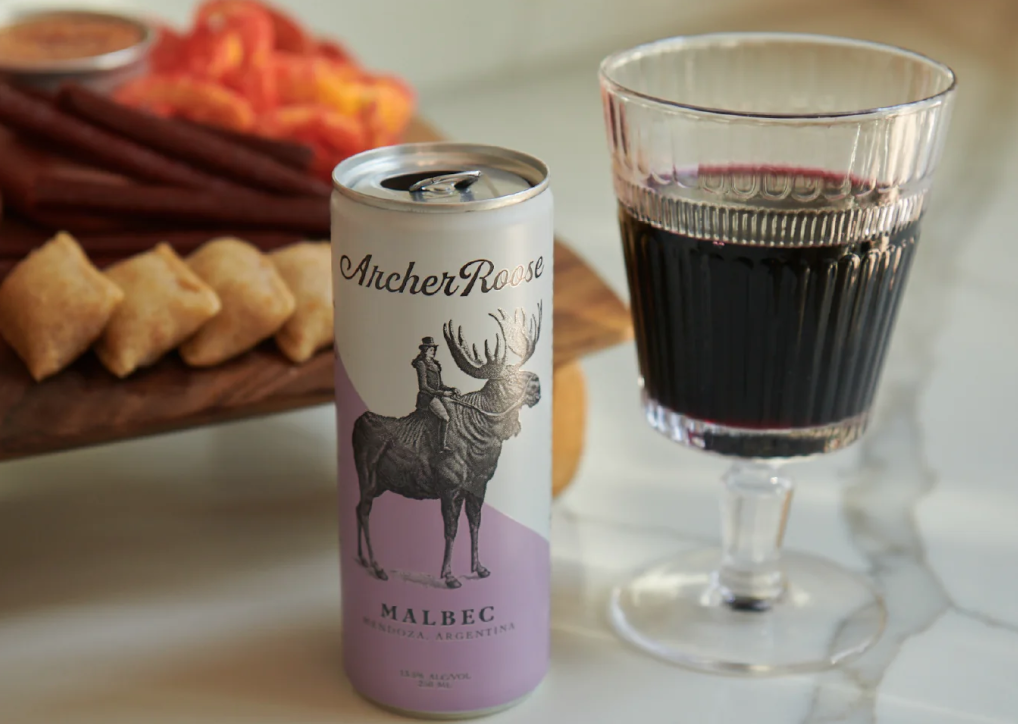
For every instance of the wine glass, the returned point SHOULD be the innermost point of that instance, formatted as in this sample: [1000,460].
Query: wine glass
[770,190]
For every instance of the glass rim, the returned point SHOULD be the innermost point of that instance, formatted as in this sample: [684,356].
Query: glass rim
[619,58]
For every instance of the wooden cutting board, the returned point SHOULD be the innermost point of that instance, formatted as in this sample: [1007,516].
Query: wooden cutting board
[85,405]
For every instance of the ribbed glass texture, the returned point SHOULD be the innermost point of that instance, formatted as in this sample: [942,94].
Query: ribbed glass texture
[695,125]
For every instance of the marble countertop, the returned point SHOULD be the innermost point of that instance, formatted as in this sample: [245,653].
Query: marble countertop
[193,577]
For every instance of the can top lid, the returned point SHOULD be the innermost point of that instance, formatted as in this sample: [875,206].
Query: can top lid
[441,177]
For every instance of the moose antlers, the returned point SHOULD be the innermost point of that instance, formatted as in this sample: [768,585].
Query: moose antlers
[519,335]
[469,361]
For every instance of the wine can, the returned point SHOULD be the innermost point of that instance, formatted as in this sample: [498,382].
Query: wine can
[443,280]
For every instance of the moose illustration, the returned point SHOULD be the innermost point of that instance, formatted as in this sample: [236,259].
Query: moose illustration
[423,456]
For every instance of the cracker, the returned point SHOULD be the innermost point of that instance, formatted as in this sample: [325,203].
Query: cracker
[255,301]
[54,304]
[164,304]
[307,270]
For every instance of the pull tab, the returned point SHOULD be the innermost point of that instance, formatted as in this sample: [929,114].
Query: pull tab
[447,184]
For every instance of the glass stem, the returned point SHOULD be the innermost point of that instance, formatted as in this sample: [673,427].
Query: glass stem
[754,512]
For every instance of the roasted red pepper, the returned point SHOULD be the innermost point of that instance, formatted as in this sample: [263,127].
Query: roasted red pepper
[390,109]
[192,98]
[247,65]
[333,136]
[290,36]
[248,32]
[213,54]
[250,21]
[169,53]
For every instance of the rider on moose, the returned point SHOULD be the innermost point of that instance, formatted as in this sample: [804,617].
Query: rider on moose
[431,390]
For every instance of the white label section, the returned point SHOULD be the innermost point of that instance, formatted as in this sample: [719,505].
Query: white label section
[465,268]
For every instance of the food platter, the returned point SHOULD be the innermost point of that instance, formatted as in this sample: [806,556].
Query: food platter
[86,405]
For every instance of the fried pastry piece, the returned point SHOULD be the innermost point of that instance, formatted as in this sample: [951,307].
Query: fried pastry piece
[164,304]
[255,301]
[54,304]
[307,270]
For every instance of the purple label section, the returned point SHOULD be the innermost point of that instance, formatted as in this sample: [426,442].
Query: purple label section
[410,641]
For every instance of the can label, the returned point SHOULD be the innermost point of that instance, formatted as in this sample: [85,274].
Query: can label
[444,392]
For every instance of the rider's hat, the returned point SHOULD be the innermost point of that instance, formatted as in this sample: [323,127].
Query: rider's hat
[428,342]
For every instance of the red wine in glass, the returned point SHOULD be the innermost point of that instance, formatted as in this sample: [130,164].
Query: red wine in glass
[763,337]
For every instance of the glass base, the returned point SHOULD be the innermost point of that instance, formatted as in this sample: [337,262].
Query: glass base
[676,611]
[755,444]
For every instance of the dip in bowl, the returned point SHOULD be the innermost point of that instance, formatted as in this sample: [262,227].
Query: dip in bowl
[46,48]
